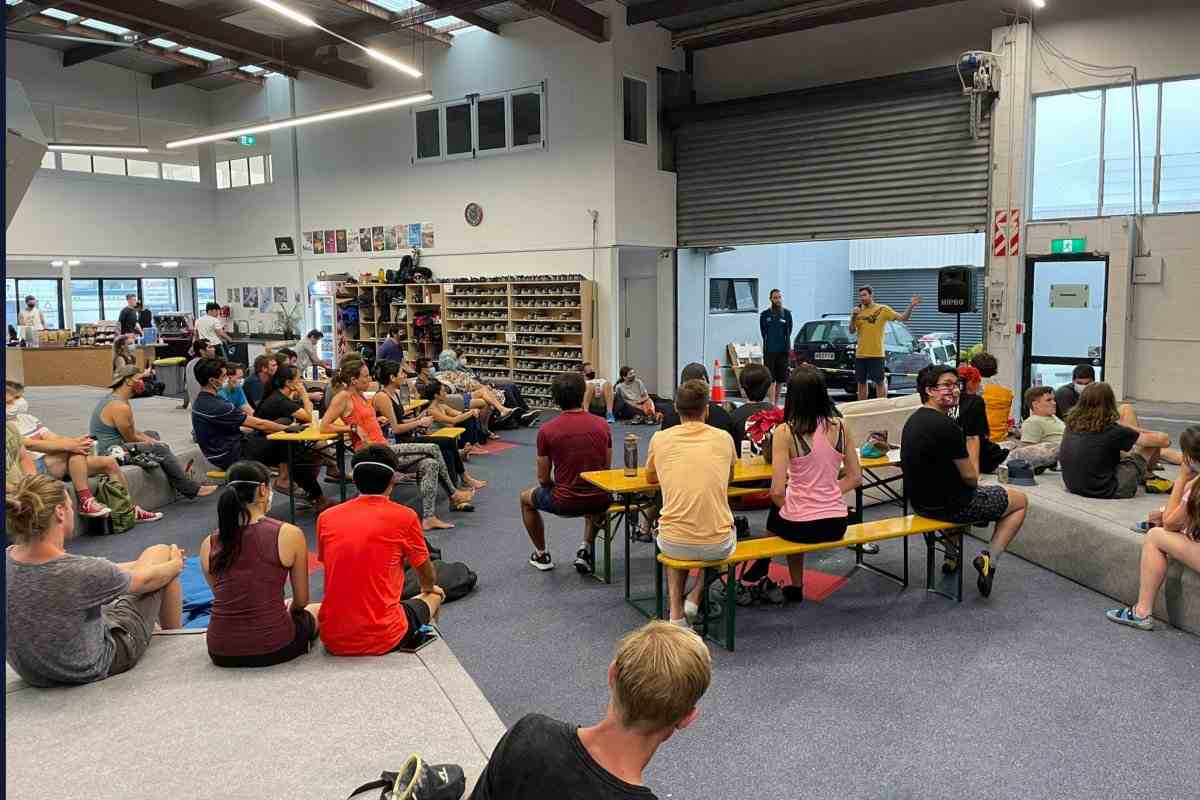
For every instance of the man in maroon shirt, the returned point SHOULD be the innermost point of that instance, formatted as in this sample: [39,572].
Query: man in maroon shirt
[573,442]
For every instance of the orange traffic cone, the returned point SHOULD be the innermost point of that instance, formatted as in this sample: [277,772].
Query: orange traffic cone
[718,385]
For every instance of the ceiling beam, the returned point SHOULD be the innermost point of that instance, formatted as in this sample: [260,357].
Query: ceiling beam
[231,41]
[418,16]
[661,9]
[218,10]
[570,14]
[375,22]
[454,8]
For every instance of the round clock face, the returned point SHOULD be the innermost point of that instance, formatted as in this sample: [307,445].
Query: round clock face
[473,214]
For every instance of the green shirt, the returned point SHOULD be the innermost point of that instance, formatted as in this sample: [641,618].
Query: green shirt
[1043,430]
[12,454]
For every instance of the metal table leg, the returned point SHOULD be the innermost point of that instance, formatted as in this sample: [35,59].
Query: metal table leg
[292,478]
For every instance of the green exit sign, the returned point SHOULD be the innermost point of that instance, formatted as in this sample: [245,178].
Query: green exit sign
[250,141]
[1068,245]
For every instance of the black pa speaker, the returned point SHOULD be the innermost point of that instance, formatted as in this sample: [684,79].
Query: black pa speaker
[956,290]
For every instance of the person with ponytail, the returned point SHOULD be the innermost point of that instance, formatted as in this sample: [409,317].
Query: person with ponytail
[246,562]
[1177,538]
[76,619]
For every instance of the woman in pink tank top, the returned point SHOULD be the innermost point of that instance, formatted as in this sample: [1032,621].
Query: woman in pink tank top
[809,449]
[246,562]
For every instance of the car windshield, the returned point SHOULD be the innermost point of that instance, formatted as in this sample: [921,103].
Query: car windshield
[834,331]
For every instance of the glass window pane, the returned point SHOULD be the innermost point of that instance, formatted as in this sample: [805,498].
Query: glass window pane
[85,301]
[48,160]
[458,129]
[107,165]
[527,118]
[1179,187]
[142,169]
[10,301]
[181,172]
[1066,156]
[76,162]
[46,292]
[258,171]
[635,110]
[239,172]
[159,294]
[1118,148]
[204,291]
[222,174]
[429,137]
[113,291]
[493,130]
[270,169]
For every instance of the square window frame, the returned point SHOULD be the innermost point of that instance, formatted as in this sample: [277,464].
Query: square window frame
[536,89]
[752,280]
[621,108]
[441,133]
[445,130]
[506,97]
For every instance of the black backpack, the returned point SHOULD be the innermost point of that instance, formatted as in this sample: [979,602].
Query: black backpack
[455,577]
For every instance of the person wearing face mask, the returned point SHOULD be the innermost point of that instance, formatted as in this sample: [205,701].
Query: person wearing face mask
[31,315]
[633,392]
[941,479]
[124,356]
[113,426]
[233,391]
[1067,396]
[246,562]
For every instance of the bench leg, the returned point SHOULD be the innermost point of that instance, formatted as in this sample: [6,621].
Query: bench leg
[730,607]
[930,556]
[658,588]
[608,534]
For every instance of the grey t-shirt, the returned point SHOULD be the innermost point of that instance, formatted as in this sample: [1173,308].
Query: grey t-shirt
[632,392]
[54,626]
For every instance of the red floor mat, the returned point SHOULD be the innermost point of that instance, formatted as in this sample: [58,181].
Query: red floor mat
[491,448]
[817,585]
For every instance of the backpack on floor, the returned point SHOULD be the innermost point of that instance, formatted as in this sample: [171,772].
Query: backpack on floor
[455,577]
[116,497]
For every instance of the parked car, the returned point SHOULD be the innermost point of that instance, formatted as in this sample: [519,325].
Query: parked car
[827,343]
[941,348]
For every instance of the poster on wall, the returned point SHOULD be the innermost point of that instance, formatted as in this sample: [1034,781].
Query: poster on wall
[306,242]
[265,299]
[364,239]
[353,242]
[235,295]
[319,242]
[426,235]
[280,294]
[414,234]
[340,237]
[377,239]
[330,242]
[249,297]
[389,238]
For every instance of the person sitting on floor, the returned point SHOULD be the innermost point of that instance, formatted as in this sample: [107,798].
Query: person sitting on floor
[246,562]
[1104,451]
[442,410]
[456,402]
[941,480]
[1065,398]
[67,458]
[812,467]
[350,412]
[755,381]
[256,385]
[997,398]
[218,427]
[506,391]
[718,417]
[694,464]
[599,398]
[232,390]
[573,442]
[637,399]
[656,679]
[113,426]
[364,544]
[1177,537]
[76,619]
[448,372]
[972,417]
[1042,431]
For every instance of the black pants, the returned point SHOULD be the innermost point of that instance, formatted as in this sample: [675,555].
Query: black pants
[258,447]
[171,467]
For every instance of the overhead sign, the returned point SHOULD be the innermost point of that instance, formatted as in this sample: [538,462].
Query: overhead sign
[247,140]
[284,246]
[1068,246]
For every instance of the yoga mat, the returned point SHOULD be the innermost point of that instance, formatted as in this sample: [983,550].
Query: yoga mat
[197,597]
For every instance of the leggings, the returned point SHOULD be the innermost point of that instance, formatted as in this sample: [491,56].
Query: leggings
[427,460]
[450,456]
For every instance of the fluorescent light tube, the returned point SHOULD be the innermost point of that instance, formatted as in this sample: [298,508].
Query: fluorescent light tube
[169,264]
[1038,3]
[74,262]
[56,263]
[391,62]
[97,148]
[295,16]
[307,119]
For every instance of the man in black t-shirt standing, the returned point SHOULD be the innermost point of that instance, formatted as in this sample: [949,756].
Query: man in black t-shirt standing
[941,479]
[659,673]
[775,325]
[128,317]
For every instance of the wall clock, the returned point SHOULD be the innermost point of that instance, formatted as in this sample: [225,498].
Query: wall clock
[473,214]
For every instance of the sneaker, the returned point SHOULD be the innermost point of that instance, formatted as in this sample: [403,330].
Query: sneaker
[530,417]
[869,549]
[987,572]
[585,561]
[1141,527]
[1125,616]
[141,515]
[768,592]
[93,508]
[793,594]
[611,419]
[541,561]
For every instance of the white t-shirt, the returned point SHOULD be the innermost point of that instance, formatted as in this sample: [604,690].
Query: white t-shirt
[306,354]
[207,327]
[32,318]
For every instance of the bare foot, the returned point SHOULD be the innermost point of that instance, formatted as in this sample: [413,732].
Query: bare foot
[462,496]
[435,524]
[471,482]
[205,491]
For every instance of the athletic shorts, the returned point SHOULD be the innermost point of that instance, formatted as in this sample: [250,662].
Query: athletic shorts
[302,639]
[130,622]
[1131,473]
[699,552]
[868,370]
[777,363]
[813,531]
[544,500]
[417,614]
[988,504]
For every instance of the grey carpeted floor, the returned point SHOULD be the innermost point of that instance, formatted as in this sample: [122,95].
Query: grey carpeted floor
[872,693]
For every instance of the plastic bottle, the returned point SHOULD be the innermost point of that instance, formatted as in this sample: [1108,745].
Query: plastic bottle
[631,455]
[746,454]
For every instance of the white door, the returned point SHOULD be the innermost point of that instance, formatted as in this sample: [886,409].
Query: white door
[639,342]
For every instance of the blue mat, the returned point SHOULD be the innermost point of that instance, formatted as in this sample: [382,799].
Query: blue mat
[197,596]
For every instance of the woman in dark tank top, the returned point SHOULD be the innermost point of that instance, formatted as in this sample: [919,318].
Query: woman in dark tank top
[246,562]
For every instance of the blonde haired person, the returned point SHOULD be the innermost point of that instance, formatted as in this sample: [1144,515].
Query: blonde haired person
[657,677]
[76,619]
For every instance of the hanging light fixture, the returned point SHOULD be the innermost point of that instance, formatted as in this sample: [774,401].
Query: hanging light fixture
[309,22]
[76,147]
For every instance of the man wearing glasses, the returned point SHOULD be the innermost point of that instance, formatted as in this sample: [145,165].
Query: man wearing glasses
[941,479]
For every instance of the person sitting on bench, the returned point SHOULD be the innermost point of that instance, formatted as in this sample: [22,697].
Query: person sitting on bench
[811,469]
[76,619]
[1176,538]
[694,463]
[941,480]
[233,390]
[997,397]
[972,416]
[256,385]
[246,563]
[113,426]
[573,442]
[1042,431]
[717,417]
[755,380]
[637,399]
[448,372]
[200,350]
[1104,452]
[656,678]
[364,544]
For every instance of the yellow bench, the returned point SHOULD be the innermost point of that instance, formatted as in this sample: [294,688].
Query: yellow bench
[447,433]
[773,547]
[215,475]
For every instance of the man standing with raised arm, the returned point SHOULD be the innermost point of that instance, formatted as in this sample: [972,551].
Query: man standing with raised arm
[869,319]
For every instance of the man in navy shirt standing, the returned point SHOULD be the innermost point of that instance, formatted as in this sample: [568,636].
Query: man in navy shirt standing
[775,324]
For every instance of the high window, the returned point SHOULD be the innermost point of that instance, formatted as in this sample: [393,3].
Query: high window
[633,102]
[480,125]
[204,291]
[732,295]
[48,292]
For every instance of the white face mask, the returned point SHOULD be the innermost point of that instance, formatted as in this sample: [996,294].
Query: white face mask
[18,406]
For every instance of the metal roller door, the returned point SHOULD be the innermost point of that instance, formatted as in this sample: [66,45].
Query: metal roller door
[895,287]
[833,169]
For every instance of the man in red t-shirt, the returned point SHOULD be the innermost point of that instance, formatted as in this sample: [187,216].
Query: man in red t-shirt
[364,544]
[573,442]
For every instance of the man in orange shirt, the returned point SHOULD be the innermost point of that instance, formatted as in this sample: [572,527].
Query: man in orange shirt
[997,398]
[364,544]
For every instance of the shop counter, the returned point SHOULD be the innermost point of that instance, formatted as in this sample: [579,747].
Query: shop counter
[65,366]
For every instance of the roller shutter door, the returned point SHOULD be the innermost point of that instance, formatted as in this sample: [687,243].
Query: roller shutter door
[895,287]
[880,167]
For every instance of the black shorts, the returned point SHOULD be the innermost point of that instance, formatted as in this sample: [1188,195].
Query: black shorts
[778,364]
[417,614]
[868,370]
[305,634]
[813,531]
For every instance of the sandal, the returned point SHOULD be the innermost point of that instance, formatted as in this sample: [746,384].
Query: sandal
[1125,616]
[464,506]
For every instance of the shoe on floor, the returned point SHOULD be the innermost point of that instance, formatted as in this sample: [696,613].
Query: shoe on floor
[585,561]
[1141,527]
[611,419]
[541,561]
[141,515]
[1125,616]
[768,591]
[869,549]
[793,594]
[93,508]
[987,572]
